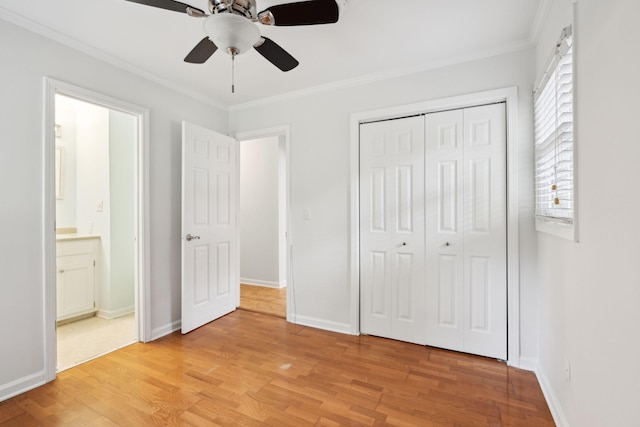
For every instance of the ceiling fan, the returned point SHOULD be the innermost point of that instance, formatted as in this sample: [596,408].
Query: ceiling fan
[230,26]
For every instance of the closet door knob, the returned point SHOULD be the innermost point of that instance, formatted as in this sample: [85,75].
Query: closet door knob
[447,244]
[190,237]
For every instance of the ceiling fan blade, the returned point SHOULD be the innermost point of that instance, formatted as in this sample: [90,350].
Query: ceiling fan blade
[203,51]
[276,55]
[311,12]
[175,6]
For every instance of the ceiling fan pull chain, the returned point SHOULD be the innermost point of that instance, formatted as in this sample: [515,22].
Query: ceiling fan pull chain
[233,73]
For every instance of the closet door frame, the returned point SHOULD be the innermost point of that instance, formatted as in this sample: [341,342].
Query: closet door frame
[508,95]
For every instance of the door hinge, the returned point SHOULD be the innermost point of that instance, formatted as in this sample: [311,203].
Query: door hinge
[94,304]
[94,262]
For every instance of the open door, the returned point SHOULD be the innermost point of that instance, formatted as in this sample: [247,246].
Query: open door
[209,235]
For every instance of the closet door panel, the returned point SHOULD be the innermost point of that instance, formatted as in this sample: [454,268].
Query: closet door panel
[392,229]
[376,227]
[485,232]
[465,181]
[444,238]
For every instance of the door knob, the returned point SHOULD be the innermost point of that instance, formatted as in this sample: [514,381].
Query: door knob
[190,237]
[447,244]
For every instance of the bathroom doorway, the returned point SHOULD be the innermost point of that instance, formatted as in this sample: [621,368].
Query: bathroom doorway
[98,250]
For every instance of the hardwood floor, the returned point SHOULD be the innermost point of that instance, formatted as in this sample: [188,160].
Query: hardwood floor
[264,300]
[250,369]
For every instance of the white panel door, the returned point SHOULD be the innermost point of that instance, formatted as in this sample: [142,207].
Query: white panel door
[485,231]
[466,230]
[444,228]
[209,194]
[392,229]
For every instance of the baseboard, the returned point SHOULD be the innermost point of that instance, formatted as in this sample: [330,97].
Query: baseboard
[165,330]
[552,401]
[528,364]
[263,283]
[113,314]
[22,385]
[342,328]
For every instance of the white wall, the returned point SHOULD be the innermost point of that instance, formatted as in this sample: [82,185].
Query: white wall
[92,184]
[259,212]
[320,177]
[25,61]
[122,144]
[590,291]
[66,118]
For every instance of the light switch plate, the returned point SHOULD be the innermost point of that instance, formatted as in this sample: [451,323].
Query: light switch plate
[99,206]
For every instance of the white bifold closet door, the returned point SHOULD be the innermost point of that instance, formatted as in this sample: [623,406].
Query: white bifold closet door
[392,229]
[466,230]
[458,276]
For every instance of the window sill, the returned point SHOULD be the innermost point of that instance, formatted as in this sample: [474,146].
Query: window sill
[556,228]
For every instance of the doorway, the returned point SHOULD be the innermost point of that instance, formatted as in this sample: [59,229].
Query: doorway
[95,280]
[96,254]
[283,286]
[263,221]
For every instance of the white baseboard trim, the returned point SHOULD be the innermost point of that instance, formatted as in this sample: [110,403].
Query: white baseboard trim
[263,283]
[165,330]
[113,314]
[327,325]
[22,385]
[528,364]
[552,401]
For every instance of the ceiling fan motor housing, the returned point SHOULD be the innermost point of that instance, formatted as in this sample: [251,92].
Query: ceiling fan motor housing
[232,33]
[246,8]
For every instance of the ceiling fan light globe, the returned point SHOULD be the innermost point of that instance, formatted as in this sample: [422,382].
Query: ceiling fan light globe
[231,33]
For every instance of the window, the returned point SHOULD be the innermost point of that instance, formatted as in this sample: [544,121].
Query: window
[554,144]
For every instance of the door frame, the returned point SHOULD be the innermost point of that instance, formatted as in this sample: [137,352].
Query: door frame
[142,245]
[509,95]
[285,132]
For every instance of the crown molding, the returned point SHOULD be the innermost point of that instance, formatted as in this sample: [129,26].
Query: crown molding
[540,19]
[79,46]
[387,75]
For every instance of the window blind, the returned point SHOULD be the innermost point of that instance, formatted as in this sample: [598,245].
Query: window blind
[553,136]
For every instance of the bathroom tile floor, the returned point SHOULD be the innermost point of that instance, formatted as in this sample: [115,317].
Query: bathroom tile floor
[87,339]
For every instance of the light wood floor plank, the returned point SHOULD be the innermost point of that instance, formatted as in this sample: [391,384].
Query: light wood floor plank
[264,300]
[251,369]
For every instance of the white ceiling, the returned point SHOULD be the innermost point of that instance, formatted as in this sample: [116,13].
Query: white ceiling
[373,39]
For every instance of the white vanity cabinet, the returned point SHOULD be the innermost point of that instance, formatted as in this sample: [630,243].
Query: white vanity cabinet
[76,275]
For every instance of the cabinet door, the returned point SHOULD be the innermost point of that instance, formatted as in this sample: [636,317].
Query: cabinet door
[75,285]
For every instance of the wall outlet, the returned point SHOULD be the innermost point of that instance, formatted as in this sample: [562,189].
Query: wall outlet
[99,206]
[567,370]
